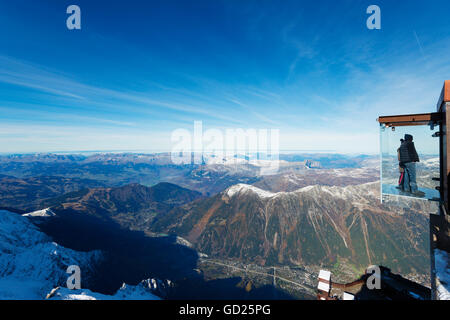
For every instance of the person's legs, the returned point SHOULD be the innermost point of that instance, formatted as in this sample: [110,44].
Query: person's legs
[406,185]
[412,184]
[401,181]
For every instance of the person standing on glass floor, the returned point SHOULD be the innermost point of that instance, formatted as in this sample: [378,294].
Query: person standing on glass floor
[408,159]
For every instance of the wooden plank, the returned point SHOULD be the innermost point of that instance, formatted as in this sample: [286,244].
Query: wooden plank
[410,119]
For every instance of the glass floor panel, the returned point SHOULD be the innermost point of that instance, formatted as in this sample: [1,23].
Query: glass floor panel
[428,194]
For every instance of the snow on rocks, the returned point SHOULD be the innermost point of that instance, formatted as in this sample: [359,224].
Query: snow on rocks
[30,263]
[142,291]
[242,188]
[40,213]
[442,267]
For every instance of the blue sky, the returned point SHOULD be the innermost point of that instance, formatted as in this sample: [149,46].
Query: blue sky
[137,70]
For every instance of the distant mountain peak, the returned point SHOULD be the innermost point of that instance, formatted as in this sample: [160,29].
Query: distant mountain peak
[243,188]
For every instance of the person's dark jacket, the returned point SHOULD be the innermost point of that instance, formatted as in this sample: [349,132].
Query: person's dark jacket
[408,152]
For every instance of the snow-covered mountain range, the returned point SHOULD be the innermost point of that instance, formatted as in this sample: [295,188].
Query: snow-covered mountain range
[32,265]
[312,225]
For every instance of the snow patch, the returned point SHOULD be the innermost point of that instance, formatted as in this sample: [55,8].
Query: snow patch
[142,291]
[40,213]
[242,187]
[305,189]
[183,242]
[442,267]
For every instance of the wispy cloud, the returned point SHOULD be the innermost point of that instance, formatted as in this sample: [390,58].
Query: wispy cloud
[314,72]
[418,43]
[24,74]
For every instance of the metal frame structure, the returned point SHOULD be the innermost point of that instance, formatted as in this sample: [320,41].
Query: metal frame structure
[441,117]
[439,224]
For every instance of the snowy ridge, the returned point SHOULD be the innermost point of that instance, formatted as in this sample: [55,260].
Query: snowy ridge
[242,188]
[183,242]
[40,213]
[241,159]
[431,163]
[345,193]
[30,263]
[142,291]
[304,189]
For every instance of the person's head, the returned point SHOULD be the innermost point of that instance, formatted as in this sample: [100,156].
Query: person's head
[408,137]
[401,140]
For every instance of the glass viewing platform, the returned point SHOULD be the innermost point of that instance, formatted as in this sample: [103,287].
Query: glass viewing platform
[410,160]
